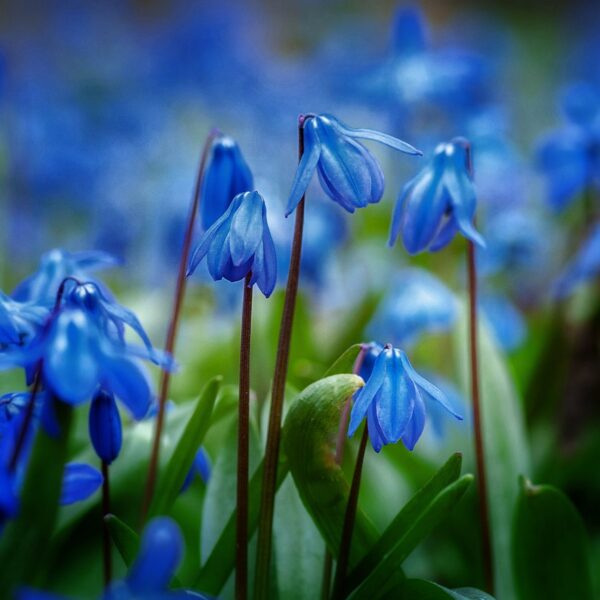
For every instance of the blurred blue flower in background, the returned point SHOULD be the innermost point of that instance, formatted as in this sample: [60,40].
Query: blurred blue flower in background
[349,174]
[19,321]
[239,243]
[393,401]
[227,176]
[416,303]
[506,322]
[438,202]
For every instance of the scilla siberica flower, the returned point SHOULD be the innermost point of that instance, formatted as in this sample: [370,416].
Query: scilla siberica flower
[348,172]
[19,321]
[438,202]
[238,243]
[227,176]
[393,399]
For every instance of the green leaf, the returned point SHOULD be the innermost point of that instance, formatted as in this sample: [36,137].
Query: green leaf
[409,513]
[504,440]
[550,546]
[24,542]
[125,539]
[172,477]
[345,362]
[424,524]
[419,589]
[310,427]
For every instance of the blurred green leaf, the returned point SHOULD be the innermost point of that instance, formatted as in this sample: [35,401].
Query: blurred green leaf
[125,539]
[310,426]
[405,519]
[550,546]
[379,578]
[345,362]
[172,477]
[25,540]
[419,589]
[505,444]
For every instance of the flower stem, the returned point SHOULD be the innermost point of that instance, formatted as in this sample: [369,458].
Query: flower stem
[241,542]
[267,500]
[106,549]
[477,420]
[349,518]
[172,330]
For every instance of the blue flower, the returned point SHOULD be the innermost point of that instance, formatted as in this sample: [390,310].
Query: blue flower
[80,481]
[438,202]
[19,321]
[393,401]
[227,176]
[201,467]
[417,303]
[105,426]
[55,266]
[238,243]
[349,174]
[506,322]
[583,267]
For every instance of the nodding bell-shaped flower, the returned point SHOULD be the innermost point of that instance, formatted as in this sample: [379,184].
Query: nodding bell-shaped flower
[79,482]
[349,174]
[238,243]
[227,176]
[393,399]
[105,426]
[438,202]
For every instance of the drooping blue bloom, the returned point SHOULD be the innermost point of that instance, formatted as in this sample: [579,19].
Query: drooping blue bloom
[80,481]
[417,302]
[238,243]
[506,322]
[583,267]
[349,174]
[19,321]
[55,266]
[105,426]
[569,156]
[438,202]
[227,176]
[393,401]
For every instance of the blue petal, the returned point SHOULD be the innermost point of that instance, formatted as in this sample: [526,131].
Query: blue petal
[375,432]
[246,228]
[105,427]
[80,481]
[416,425]
[159,556]
[202,465]
[306,168]
[264,269]
[128,382]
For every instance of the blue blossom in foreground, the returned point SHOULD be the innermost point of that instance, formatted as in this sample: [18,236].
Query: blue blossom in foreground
[438,202]
[583,267]
[80,481]
[506,322]
[238,243]
[19,321]
[105,426]
[349,174]
[227,176]
[569,157]
[55,266]
[416,303]
[393,401]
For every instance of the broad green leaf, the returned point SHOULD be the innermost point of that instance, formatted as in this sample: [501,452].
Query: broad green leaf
[125,539]
[309,430]
[172,477]
[409,513]
[345,362]
[419,589]
[550,546]
[504,440]
[423,525]
[25,540]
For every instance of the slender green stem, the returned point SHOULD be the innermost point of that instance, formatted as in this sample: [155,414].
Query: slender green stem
[106,548]
[267,501]
[349,518]
[173,323]
[241,542]
[477,421]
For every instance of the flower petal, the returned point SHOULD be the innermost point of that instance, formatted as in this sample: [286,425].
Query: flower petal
[128,382]
[80,481]
[246,228]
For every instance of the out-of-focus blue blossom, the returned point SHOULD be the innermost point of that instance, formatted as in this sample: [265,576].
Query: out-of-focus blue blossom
[393,401]
[438,202]
[161,549]
[227,176]
[201,467]
[583,267]
[19,321]
[80,481]
[105,426]
[457,402]
[416,303]
[238,243]
[11,405]
[55,266]
[505,320]
[9,478]
[569,156]
[349,174]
